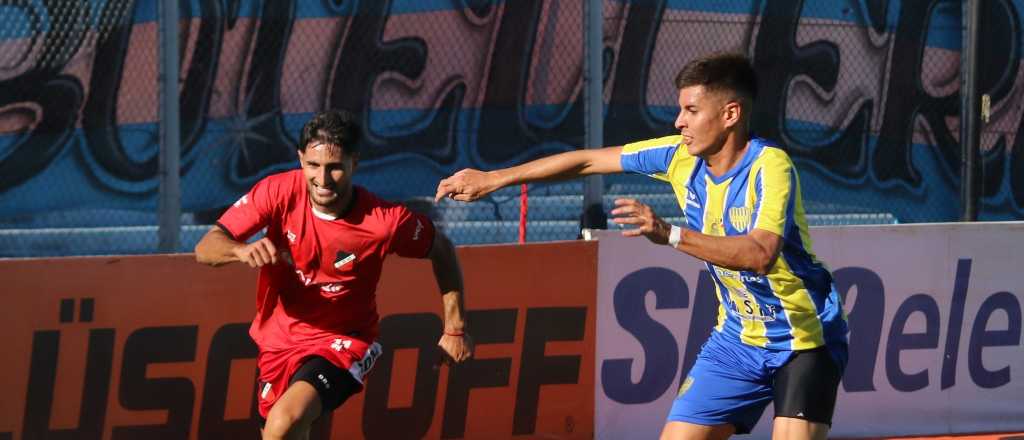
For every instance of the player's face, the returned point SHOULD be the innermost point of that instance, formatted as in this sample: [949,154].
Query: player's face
[702,120]
[328,171]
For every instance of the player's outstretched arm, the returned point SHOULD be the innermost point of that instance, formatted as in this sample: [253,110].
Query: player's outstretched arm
[217,248]
[455,341]
[469,184]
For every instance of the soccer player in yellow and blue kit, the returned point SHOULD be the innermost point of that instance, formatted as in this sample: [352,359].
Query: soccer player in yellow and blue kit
[781,335]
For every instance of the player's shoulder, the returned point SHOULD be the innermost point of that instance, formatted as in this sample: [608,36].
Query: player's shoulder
[652,144]
[384,212]
[370,203]
[770,152]
[282,186]
[370,200]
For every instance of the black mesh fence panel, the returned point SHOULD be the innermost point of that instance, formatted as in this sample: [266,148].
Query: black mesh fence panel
[863,95]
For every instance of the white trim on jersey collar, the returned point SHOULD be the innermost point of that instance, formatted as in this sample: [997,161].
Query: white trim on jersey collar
[322,215]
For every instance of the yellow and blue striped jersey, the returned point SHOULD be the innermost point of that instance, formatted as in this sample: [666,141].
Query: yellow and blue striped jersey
[795,306]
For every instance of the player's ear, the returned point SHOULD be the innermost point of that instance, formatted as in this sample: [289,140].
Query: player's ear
[732,113]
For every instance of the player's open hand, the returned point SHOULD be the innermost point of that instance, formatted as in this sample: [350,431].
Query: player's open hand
[456,348]
[466,185]
[258,253]
[642,217]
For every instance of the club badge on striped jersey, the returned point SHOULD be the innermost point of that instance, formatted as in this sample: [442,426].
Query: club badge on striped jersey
[739,218]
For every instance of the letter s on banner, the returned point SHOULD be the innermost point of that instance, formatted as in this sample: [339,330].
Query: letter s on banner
[661,354]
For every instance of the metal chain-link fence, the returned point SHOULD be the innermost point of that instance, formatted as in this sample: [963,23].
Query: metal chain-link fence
[864,98]
[78,148]
[829,94]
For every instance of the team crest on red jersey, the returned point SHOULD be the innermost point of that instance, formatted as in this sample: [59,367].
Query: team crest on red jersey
[342,258]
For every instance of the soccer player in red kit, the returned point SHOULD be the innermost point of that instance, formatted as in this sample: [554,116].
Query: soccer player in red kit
[319,262]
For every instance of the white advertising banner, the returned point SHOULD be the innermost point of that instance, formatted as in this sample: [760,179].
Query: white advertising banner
[935,329]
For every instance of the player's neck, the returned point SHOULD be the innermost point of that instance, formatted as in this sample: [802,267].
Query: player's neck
[340,208]
[725,159]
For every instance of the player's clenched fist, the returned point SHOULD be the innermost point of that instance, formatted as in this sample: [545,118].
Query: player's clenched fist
[467,185]
[458,348]
[258,253]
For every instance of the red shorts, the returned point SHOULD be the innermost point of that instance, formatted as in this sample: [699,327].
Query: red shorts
[277,367]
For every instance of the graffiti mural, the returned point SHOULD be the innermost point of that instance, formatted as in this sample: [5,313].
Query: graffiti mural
[863,94]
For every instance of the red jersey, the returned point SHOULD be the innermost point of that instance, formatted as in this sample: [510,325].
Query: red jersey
[326,287]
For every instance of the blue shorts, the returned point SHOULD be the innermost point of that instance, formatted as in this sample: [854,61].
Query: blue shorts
[733,382]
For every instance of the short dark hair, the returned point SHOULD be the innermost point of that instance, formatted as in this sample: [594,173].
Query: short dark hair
[335,127]
[725,71]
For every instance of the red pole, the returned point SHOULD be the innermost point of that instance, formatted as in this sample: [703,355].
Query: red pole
[524,206]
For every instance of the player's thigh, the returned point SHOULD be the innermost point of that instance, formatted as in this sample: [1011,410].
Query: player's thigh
[798,429]
[692,431]
[316,387]
[294,412]
[806,387]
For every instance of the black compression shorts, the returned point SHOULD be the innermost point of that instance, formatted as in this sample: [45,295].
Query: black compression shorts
[333,384]
[806,386]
